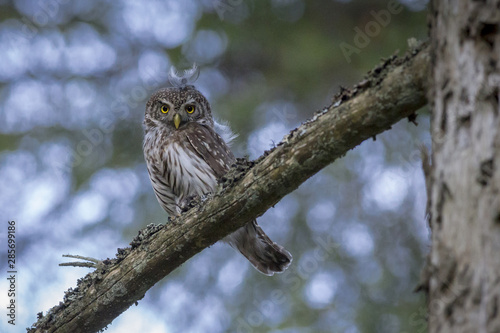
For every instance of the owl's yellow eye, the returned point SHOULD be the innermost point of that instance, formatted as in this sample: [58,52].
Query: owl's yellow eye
[189,108]
[165,108]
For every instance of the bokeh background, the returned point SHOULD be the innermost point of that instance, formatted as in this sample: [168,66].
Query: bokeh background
[74,80]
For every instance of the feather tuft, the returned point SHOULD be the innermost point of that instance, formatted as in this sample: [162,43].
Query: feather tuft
[189,76]
[226,133]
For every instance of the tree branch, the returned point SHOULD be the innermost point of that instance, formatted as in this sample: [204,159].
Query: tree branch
[392,91]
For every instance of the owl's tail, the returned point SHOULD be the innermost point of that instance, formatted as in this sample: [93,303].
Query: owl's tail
[264,254]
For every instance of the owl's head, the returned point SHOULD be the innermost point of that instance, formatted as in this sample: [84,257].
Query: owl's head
[175,107]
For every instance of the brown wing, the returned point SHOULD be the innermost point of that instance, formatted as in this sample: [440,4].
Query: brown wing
[210,146]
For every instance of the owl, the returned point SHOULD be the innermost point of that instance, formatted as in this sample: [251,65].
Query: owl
[185,157]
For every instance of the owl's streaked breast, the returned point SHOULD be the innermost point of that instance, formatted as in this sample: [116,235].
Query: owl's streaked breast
[187,173]
[176,171]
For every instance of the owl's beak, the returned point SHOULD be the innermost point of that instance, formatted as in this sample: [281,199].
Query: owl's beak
[177,120]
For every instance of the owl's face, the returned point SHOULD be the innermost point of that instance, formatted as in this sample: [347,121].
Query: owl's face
[175,107]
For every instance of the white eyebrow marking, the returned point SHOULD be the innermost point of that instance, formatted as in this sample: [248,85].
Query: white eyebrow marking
[164,101]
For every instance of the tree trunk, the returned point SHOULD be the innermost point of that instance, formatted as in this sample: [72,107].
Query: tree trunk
[464,266]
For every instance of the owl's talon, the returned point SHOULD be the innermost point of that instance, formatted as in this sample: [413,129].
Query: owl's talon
[189,203]
[89,262]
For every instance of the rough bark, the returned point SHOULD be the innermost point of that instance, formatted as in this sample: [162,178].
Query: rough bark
[464,265]
[392,91]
